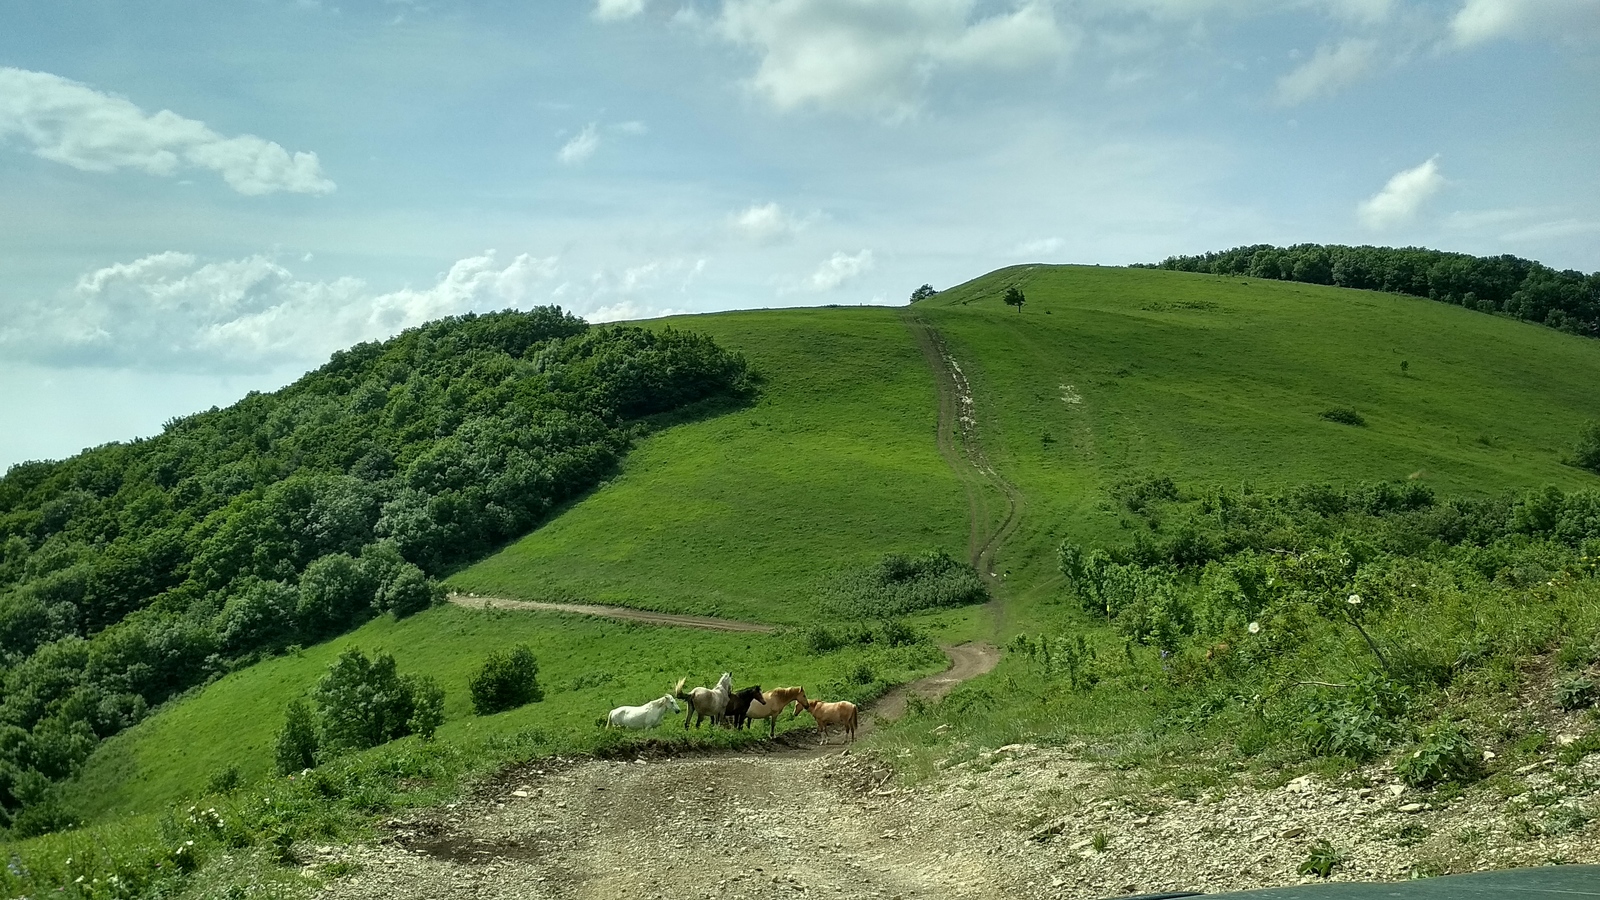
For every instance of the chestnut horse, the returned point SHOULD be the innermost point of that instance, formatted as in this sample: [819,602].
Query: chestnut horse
[842,713]
[772,704]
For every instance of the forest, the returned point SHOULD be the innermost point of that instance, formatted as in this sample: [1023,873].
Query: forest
[134,571]
[1567,300]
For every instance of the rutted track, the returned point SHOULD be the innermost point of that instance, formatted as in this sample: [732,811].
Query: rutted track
[704,623]
[962,449]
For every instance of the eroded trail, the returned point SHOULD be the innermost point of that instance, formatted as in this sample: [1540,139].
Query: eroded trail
[704,623]
[990,523]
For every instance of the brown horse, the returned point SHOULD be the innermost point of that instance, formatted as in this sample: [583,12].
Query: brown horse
[842,713]
[772,704]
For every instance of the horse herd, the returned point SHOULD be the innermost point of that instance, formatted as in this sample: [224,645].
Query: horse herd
[723,705]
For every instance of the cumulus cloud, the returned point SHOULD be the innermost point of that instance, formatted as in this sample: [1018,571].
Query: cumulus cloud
[767,223]
[172,311]
[874,56]
[73,124]
[1402,196]
[1328,70]
[580,147]
[1482,21]
[617,10]
[837,269]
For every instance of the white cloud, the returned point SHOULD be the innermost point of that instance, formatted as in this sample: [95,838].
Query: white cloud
[170,311]
[617,10]
[1481,21]
[1328,70]
[73,124]
[836,270]
[767,223]
[875,56]
[1039,249]
[580,147]
[1402,196]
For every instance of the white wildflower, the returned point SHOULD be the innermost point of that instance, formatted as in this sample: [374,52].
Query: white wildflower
[1255,628]
[1355,600]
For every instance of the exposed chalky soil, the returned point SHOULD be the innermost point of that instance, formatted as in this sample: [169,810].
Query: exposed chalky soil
[1017,821]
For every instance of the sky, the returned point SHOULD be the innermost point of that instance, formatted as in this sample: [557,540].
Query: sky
[198,200]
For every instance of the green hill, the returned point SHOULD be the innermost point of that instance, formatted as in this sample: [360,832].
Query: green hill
[1104,375]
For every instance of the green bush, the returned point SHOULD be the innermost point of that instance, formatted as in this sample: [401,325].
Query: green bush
[819,640]
[1344,416]
[1586,455]
[1444,755]
[297,744]
[898,585]
[362,703]
[506,680]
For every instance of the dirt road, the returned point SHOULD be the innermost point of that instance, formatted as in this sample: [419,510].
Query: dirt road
[705,623]
[794,820]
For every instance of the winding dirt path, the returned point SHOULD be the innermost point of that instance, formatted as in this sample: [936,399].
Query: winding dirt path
[704,623]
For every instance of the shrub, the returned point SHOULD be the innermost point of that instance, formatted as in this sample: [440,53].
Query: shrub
[506,680]
[898,585]
[1443,755]
[362,703]
[1586,455]
[862,673]
[427,705]
[820,640]
[896,633]
[1344,416]
[225,780]
[334,591]
[297,743]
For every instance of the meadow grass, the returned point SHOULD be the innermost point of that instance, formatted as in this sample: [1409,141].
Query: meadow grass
[1109,374]
[587,666]
[744,514]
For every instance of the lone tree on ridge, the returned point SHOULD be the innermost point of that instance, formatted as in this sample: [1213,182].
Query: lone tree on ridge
[1015,298]
[923,293]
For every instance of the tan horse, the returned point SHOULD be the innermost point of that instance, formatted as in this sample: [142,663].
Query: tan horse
[842,713]
[772,704]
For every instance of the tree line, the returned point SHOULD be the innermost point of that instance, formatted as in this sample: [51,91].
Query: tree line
[1566,300]
[134,571]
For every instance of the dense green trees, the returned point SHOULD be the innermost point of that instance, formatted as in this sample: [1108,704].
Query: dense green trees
[134,571]
[1527,290]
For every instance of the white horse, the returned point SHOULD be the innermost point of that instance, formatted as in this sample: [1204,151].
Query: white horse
[706,703]
[642,717]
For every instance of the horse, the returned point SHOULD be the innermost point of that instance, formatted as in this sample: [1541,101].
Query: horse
[705,703]
[739,704]
[772,704]
[842,713]
[642,717]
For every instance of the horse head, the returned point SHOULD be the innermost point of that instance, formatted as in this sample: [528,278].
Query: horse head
[674,701]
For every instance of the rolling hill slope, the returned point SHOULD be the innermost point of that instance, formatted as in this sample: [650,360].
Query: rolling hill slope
[1127,372]
[1104,375]
[1108,374]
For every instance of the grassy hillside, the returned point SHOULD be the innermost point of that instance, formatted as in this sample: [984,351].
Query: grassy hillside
[1105,374]
[587,666]
[742,514]
[1108,374]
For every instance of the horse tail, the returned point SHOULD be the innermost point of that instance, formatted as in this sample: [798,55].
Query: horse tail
[677,689]
[853,713]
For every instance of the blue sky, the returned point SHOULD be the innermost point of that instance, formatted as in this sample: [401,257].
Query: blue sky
[204,199]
